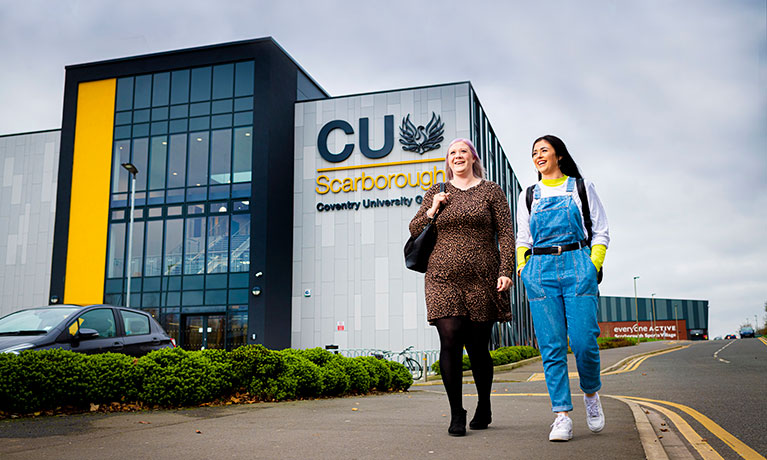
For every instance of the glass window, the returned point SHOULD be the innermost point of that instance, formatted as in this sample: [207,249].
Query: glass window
[222,81]
[159,127]
[179,111]
[177,161]
[198,159]
[174,230]
[122,132]
[215,297]
[237,327]
[175,196]
[157,158]
[200,84]
[141,116]
[243,118]
[141,130]
[196,124]
[243,103]
[215,282]
[243,79]
[124,99]
[240,243]
[222,106]
[241,205]
[220,156]
[218,192]
[156,197]
[179,87]
[218,207]
[192,298]
[153,262]
[120,155]
[102,320]
[139,160]
[135,323]
[137,249]
[197,193]
[119,200]
[221,121]
[123,118]
[178,126]
[161,89]
[195,209]
[200,108]
[116,259]
[160,113]
[174,210]
[240,190]
[118,214]
[243,147]
[218,244]
[155,212]
[142,91]
[194,246]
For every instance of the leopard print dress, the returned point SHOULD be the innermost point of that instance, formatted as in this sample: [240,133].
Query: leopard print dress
[463,271]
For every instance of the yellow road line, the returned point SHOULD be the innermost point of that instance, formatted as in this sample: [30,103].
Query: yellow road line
[703,448]
[764,340]
[633,365]
[735,444]
[378,165]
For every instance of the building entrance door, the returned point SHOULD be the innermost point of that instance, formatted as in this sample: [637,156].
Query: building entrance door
[201,332]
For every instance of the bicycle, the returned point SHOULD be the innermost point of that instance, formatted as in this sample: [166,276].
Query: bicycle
[404,358]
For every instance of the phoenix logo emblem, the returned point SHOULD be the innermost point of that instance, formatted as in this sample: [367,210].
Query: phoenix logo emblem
[421,139]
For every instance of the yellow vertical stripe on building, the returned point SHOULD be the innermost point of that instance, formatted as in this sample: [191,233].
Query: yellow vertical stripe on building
[89,204]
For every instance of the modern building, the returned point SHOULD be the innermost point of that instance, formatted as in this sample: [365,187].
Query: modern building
[242,230]
[657,318]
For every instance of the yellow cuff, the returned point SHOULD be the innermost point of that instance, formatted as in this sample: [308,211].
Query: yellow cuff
[521,260]
[598,252]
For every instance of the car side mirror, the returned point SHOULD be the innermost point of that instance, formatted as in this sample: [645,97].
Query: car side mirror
[86,334]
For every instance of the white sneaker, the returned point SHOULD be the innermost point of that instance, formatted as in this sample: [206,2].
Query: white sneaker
[595,417]
[561,429]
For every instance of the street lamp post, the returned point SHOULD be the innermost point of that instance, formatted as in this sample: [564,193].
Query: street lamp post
[653,315]
[636,304]
[133,171]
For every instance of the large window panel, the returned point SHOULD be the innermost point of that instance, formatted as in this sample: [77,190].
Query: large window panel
[198,159]
[153,262]
[179,87]
[194,246]
[177,161]
[142,92]
[223,76]
[240,243]
[243,79]
[220,156]
[161,89]
[200,84]
[116,258]
[243,151]
[139,160]
[218,244]
[174,246]
[137,250]
[124,97]
[120,155]
[157,160]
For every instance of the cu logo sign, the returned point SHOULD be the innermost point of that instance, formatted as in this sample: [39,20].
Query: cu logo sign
[364,139]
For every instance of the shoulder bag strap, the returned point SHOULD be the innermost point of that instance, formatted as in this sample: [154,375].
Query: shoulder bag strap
[585,206]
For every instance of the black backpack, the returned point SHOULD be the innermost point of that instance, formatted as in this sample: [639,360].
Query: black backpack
[584,210]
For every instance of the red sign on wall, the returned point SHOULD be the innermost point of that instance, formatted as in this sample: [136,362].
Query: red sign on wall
[664,330]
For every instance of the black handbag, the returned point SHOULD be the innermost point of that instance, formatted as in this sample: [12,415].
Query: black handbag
[418,248]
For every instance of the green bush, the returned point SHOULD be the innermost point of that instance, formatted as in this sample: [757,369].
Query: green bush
[615,342]
[174,377]
[318,356]
[380,374]
[335,380]
[112,377]
[401,378]
[503,355]
[359,378]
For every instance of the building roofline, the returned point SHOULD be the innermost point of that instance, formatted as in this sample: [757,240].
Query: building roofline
[252,41]
[31,132]
[386,91]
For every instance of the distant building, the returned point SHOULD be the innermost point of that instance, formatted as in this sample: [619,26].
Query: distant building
[658,318]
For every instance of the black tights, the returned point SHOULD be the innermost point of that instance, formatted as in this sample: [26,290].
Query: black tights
[454,333]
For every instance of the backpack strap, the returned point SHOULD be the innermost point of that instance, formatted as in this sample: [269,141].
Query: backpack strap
[584,207]
[529,198]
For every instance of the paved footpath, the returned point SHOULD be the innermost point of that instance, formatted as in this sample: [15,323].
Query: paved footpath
[402,425]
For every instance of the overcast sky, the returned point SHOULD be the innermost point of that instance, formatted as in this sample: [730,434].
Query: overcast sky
[662,103]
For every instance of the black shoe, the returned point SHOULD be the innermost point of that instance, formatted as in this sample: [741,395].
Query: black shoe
[482,418]
[457,424]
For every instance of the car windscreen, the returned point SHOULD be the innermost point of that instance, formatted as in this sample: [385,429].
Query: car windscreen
[37,320]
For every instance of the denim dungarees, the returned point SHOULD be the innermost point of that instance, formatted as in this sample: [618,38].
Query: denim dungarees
[563,297]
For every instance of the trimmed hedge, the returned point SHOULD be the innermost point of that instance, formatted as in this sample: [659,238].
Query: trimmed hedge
[44,380]
[503,355]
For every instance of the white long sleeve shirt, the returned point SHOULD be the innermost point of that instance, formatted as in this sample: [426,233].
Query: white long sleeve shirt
[599,225]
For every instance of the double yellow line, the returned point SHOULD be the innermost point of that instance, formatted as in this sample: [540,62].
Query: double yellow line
[763,339]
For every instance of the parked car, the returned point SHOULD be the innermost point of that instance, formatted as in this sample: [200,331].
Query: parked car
[84,329]
[698,334]
[747,332]
[730,336]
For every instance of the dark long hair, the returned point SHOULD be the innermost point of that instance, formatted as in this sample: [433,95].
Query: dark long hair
[566,163]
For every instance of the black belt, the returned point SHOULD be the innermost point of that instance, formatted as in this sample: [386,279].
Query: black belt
[559,249]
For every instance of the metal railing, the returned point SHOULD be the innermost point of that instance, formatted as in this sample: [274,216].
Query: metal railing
[424,357]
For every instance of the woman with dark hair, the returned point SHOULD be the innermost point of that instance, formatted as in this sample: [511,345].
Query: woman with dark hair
[558,265]
[467,276]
